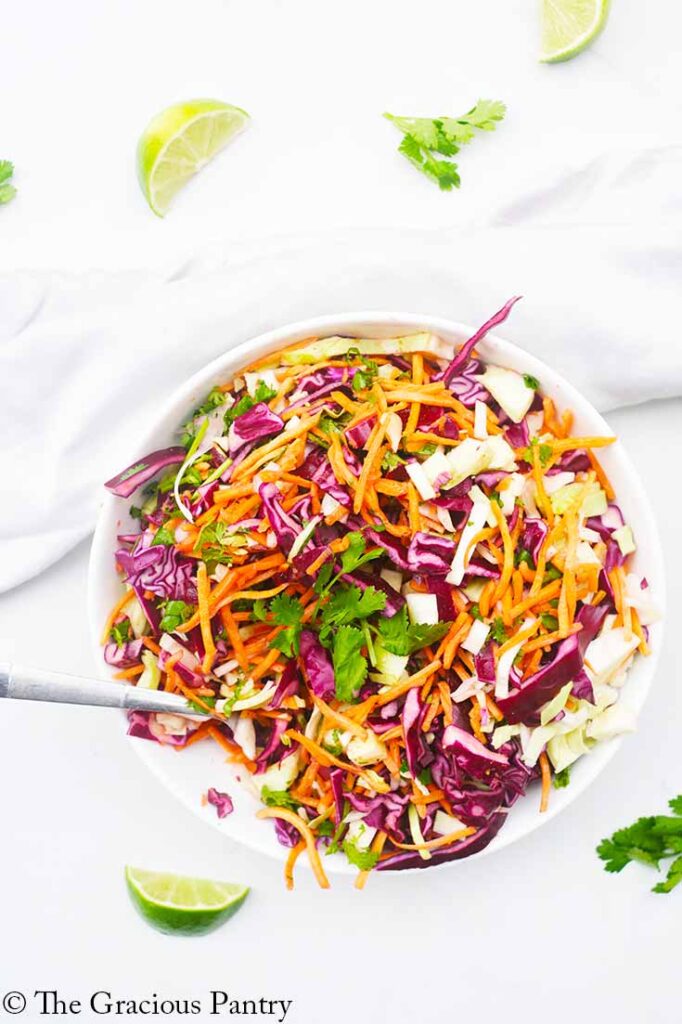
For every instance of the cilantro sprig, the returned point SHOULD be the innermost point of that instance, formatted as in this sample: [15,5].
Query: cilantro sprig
[347,604]
[401,637]
[427,140]
[648,841]
[7,190]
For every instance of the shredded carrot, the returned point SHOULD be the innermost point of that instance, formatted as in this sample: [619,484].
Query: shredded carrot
[129,673]
[293,819]
[493,708]
[373,455]
[435,844]
[413,506]
[266,664]
[571,443]
[376,846]
[433,709]
[262,454]
[601,475]
[544,594]
[639,633]
[541,498]
[475,721]
[340,719]
[508,548]
[456,639]
[446,701]
[114,613]
[414,680]
[294,854]
[203,591]
[233,635]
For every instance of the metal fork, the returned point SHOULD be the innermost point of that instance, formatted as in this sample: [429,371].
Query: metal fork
[18,682]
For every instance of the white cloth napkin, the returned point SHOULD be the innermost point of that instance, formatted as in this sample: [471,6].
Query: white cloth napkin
[85,360]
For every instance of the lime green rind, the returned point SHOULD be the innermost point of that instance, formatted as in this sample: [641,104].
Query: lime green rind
[570,26]
[178,905]
[177,143]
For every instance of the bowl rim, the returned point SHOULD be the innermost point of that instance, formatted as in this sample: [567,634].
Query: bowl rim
[228,364]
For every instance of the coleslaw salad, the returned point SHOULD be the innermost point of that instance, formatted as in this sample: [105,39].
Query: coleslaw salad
[415,698]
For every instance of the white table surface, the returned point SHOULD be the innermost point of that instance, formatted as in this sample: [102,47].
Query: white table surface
[538,931]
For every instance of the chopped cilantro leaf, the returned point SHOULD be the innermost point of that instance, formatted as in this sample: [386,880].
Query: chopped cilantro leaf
[286,611]
[121,632]
[173,613]
[242,405]
[230,701]
[338,832]
[545,452]
[164,536]
[329,424]
[549,622]
[206,701]
[258,611]
[531,382]
[391,460]
[210,545]
[355,554]
[278,798]
[364,377]
[350,666]
[190,478]
[524,556]
[498,631]
[263,392]
[365,860]
[334,746]
[214,399]
[428,449]
[323,577]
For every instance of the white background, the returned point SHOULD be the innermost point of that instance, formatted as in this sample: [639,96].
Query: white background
[537,932]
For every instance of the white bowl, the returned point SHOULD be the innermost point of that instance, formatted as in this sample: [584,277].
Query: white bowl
[189,776]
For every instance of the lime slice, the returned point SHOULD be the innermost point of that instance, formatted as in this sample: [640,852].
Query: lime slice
[568,26]
[179,141]
[180,905]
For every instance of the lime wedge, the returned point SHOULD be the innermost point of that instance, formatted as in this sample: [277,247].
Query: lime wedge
[569,26]
[180,905]
[179,141]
